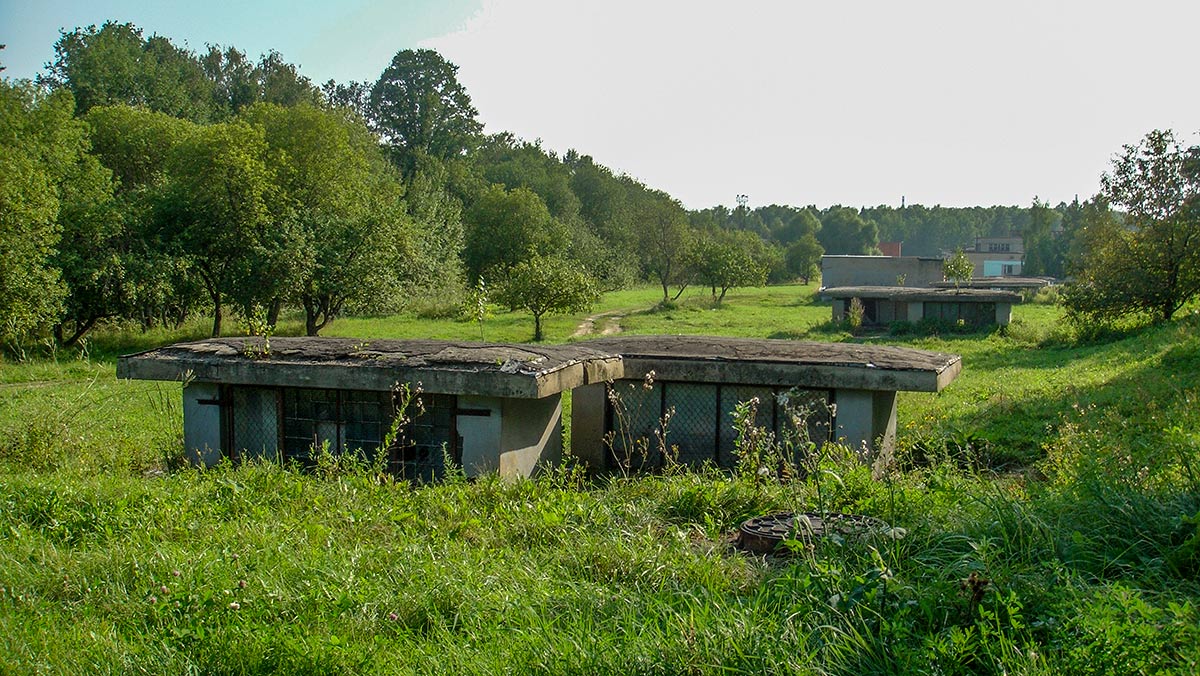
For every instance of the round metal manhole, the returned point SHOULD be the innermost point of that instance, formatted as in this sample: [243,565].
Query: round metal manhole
[766,534]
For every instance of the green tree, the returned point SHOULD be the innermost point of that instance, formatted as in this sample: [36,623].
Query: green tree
[803,257]
[664,242]
[220,214]
[547,285]
[114,64]
[118,266]
[42,155]
[418,104]
[726,259]
[845,231]
[506,227]
[1042,253]
[958,268]
[344,203]
[1151,266]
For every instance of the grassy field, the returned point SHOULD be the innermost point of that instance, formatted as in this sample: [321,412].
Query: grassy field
[1046,514]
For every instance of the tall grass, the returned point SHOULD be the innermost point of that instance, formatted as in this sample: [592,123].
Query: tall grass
[1045,521]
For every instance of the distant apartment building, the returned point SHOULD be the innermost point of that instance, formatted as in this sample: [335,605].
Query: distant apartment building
[997,256]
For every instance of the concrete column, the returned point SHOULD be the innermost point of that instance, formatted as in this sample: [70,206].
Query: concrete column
[202,424]
[1003,314]
[587,424]
[866,421]
[916,311]
[530,435]
[839,309]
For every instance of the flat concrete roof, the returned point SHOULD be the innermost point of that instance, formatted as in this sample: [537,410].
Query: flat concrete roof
[441,366]
[879,257]
[909,293]
[535,371]
[752,361]
[999,283]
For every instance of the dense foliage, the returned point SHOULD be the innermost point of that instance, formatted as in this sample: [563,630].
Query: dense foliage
[1148,263]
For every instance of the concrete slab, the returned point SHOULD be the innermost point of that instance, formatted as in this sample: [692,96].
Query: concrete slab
[788,363]
[446,367]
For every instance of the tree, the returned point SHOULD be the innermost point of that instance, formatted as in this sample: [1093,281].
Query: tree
[418,104]
[958,268]
[543,285]
[664,241]
[220,213]
[803,257]
[1042,250]
[506,227]
[114,64]
[845,231]
[1151,266]
[725,260]
[344,202]
[41,147]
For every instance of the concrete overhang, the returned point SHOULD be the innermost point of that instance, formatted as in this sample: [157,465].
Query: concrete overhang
[901,293]
[442,367]
[791,363]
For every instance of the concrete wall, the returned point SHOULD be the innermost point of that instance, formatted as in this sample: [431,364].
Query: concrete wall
[480,432]
[1003,314]
[531,435]
[587,424]
[202,423]
[879,271]
[865,419]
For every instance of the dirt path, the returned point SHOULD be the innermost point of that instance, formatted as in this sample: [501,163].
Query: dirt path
[611,324]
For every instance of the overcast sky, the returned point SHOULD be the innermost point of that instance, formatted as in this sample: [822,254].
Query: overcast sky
[859,103]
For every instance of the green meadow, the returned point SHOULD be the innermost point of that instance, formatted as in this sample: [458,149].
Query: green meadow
[1044,513]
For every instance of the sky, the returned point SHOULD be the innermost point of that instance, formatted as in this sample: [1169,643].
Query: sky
[788,102]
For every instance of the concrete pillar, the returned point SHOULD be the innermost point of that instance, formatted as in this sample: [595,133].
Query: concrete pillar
[587,424]
[839,309]
[1003,314]
[202,424]
[916,311]
[530,435]
[866,421]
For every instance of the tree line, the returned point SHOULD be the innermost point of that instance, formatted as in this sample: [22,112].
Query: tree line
[144,182]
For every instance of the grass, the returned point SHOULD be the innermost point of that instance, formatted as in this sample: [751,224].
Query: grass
[1048,502]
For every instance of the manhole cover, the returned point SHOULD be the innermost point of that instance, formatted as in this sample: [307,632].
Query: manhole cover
[766,534]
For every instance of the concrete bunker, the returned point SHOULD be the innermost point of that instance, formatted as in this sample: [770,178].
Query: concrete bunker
[489,408]
[703,378]
[497,407]
[883,305]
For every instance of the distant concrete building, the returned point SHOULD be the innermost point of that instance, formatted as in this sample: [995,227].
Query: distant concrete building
[880,271]
[997,256]
[883,305]
[497,408]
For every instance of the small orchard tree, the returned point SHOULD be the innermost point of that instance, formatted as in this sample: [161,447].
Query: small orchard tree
[547,285]
[958,268]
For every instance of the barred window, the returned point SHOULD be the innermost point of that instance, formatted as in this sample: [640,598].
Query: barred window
[701,427]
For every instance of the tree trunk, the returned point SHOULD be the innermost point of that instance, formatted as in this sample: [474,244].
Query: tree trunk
[273,311]
[537,328]
[80,330]
[216,330]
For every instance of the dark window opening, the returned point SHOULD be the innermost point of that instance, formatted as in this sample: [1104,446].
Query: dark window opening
[294,424]
[701,427]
